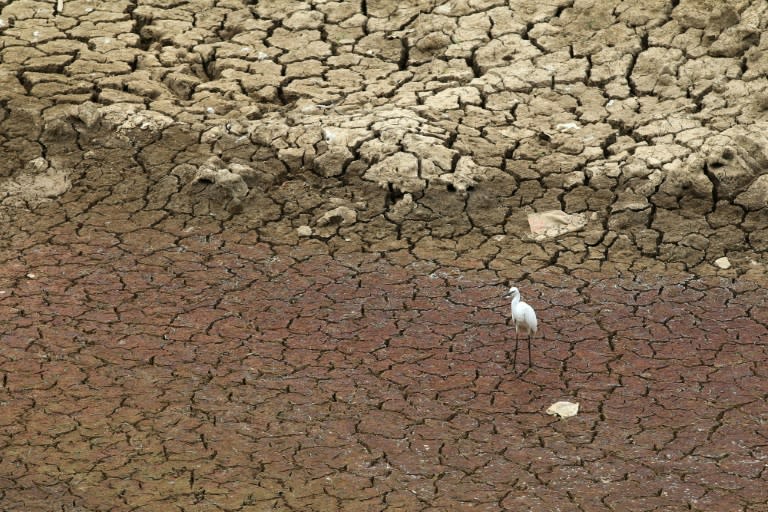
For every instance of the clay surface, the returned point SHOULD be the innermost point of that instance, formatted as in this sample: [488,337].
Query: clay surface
[253,254]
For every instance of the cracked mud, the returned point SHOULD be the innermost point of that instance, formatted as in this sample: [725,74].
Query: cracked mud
[253,254]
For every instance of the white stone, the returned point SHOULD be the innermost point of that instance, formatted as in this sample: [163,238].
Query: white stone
[342,215]
[723,263]
[563,127]
[564,409]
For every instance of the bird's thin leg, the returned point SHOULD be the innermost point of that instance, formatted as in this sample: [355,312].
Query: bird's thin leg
[530,363]
[514,356]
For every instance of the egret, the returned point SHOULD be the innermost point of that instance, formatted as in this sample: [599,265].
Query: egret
[524,318]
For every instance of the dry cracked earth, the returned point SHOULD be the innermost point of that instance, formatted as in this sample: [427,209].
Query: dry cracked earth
[252,255]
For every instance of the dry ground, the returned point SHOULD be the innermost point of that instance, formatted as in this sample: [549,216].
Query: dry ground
[253,254]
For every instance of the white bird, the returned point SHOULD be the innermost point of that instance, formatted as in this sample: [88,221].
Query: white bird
[524,318]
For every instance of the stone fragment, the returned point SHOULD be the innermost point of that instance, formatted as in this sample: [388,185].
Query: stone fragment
[148,120]
[563,409]
[563,127]
[400,170]
[181,84]
[723,263]
[404,206]
[304,231]
[220,184]
[342,215]
[333,161]
[465,175]
[88,113]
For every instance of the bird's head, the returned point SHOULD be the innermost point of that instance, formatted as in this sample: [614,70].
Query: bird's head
[512,292]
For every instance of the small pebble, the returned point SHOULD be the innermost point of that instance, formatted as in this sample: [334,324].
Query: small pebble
[723,263]
[564,409]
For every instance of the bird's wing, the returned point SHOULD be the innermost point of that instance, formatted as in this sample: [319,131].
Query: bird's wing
[530,319]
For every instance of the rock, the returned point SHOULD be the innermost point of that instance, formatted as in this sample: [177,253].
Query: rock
[146,120]
[222,187]
[304,231]
[464,176]
[563,409]
[88,113]
[181,84]
[723,263]
[400,209]
[342,215]
[333,161]
[400,170]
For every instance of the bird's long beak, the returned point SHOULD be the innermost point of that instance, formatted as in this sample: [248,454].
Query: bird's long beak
[508,294]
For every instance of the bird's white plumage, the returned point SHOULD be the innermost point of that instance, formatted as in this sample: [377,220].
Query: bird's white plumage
[524,319]
[522,313]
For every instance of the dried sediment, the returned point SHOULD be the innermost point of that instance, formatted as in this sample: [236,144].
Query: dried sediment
[252,254]
[650,116]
